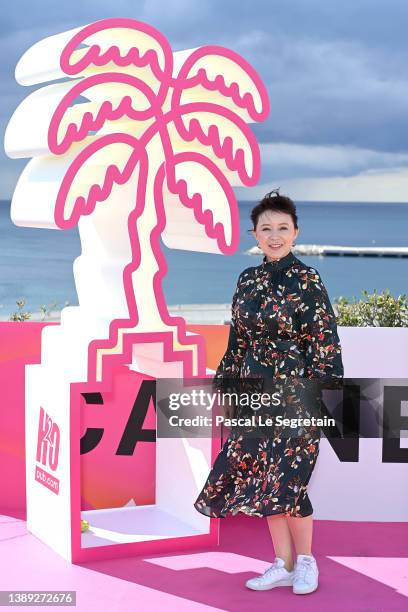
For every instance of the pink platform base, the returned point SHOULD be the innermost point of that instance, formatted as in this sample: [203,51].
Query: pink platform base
[363,567]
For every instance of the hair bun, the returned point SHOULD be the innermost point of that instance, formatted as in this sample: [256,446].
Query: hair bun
[273,192]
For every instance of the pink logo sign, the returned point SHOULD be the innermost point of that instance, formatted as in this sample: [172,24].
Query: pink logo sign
[47,451]
[136,144]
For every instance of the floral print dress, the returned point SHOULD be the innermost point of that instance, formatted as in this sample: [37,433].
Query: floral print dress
[282,326]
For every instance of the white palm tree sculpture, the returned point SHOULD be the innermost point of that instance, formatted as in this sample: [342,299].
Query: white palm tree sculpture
[152,152]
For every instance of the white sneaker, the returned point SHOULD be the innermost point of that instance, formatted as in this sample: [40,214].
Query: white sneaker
[306,575]
[275,576]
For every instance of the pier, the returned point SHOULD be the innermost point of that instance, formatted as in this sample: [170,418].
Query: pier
[342,251]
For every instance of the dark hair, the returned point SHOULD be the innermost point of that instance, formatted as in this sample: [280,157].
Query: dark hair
[274,201]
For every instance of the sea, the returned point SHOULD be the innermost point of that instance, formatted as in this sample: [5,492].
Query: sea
[36,264]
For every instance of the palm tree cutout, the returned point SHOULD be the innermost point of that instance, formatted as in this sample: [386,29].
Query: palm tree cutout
[153,152]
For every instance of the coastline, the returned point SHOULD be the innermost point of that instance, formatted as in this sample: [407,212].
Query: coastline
[197,314]
[37,266]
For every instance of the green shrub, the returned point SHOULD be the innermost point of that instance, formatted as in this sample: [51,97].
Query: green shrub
[45,311]
[20,315]
[376,310]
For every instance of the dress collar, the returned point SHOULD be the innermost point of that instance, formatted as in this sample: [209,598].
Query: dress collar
[278,264]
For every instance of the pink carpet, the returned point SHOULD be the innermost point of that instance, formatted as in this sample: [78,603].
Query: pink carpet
[363,567]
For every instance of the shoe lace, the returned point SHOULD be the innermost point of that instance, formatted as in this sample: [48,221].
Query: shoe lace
[303,567]
[273,568]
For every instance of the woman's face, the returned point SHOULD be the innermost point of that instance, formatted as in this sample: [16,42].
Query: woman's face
[275,233]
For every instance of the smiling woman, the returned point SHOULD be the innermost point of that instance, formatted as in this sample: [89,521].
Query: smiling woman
[283,328]
[275,225]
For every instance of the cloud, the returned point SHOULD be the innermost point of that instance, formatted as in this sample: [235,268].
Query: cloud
[370,186]
[331,173]
[289,160]
[336,73]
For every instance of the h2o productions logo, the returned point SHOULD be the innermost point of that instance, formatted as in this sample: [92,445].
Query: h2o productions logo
[48,440]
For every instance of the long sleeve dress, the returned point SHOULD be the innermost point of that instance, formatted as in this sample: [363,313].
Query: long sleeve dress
[282,326]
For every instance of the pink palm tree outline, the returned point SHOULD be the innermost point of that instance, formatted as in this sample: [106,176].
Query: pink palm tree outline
[180,117]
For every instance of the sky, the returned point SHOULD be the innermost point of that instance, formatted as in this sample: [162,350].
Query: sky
[336,75]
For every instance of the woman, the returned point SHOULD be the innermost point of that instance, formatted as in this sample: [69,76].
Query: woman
[282,326]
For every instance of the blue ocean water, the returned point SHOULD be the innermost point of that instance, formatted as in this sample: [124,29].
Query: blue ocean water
[36,264]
